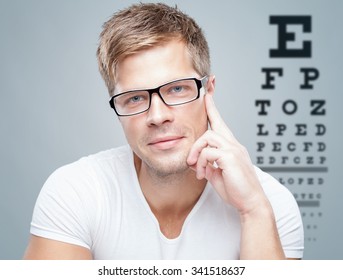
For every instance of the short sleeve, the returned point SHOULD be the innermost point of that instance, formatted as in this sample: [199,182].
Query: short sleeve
[65,206]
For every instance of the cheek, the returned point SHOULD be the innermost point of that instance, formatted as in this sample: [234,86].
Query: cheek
[199,120]
[130,129]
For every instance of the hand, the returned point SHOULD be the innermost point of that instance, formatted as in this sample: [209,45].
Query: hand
[225,163]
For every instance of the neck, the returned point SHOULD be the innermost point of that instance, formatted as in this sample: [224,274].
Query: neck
[172,194]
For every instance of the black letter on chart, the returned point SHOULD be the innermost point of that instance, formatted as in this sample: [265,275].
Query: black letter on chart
[284,36]
[270,78]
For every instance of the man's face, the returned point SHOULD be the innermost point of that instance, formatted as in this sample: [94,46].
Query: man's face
[162,136]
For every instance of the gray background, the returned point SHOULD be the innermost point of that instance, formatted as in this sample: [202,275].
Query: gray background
[54,105]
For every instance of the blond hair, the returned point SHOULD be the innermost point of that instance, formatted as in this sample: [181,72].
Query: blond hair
[143,26]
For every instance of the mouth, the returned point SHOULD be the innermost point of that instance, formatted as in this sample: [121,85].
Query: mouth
[165,143]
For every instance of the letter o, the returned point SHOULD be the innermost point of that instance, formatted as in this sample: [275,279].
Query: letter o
[287,110]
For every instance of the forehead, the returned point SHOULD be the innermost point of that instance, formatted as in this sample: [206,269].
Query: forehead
[155,66]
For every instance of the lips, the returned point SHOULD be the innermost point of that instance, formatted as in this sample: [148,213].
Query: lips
[165,142]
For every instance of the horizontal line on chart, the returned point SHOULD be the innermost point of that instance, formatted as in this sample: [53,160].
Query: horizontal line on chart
[308,203]
[294,169]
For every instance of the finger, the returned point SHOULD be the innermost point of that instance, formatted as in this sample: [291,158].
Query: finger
[216,122]
[209,138]
[205,161]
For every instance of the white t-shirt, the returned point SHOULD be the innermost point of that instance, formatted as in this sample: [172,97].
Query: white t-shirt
[96,202]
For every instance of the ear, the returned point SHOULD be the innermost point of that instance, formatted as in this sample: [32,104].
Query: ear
[211,84]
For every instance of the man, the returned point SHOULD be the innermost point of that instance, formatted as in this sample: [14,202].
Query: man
[184,188]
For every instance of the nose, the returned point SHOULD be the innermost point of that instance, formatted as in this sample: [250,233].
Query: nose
[159,112]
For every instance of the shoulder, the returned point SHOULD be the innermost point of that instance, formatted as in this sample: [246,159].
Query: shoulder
[272,187]
[282,200]
[88,176]
[91,168]
[287,215]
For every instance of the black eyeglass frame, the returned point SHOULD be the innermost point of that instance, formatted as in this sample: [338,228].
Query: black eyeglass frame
[199,82]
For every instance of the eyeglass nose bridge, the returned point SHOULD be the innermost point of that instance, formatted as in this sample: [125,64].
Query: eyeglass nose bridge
[157,91]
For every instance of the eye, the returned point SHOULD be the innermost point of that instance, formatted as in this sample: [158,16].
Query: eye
[135,98]
[176,89]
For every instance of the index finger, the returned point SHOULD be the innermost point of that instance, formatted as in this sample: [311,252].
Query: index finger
[216,122]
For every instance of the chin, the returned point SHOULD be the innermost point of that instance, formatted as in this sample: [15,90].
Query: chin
[167,165]
[171,168]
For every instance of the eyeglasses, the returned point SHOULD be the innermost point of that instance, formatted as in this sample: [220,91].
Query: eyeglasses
[174,93]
